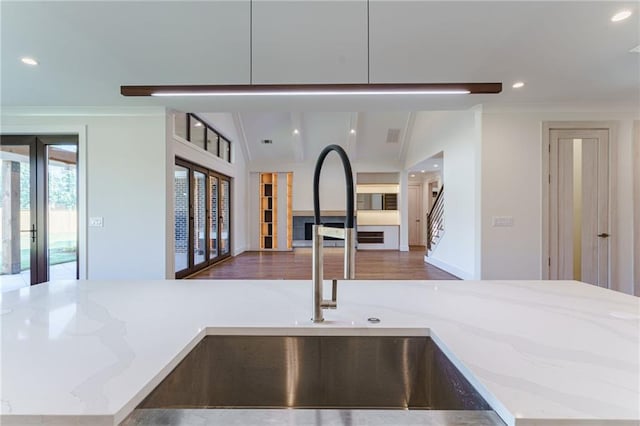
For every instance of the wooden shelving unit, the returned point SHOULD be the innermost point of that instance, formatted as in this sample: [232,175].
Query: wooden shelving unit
[289,210]
[269,203]
[268,211]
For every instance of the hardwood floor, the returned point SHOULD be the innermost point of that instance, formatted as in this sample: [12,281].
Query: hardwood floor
[372,265]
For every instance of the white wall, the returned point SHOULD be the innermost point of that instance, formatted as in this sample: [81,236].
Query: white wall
[237,170]
[125,183]
[455,133]
[512,186]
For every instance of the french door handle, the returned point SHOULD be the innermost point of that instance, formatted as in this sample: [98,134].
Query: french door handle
[33,232]
[603,235]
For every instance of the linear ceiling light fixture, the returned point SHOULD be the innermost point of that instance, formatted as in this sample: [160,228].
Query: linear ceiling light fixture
[314,89]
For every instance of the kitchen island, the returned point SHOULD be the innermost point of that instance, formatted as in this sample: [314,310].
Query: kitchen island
[540,353]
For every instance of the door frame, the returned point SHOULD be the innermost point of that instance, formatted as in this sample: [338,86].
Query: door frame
[81,133]
[191,267]
[419,189]
[547,127]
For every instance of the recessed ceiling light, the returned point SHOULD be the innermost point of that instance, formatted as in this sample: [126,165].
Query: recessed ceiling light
[296,131]
[635,49]
[436,166]
[198,124]
[413,175]
[29,61]
[352,131]
[621,16]
[518,84]
[421,171]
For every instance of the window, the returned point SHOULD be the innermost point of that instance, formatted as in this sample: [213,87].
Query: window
[212,142]
[202,217]
[193,129]
[196,132]
[180,125]
[225,150]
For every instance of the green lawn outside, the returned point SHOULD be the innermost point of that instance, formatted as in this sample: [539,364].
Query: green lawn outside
[62,249]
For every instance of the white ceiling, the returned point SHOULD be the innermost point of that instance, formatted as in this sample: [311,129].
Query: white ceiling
[566,52]
[319,129]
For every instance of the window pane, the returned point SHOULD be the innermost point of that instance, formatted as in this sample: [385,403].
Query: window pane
[225,150]
[15,252]
[180,124]
[224,218]
[199,217]
[181,211]
[62,203]
[213,225]
[212,142]
[196,135]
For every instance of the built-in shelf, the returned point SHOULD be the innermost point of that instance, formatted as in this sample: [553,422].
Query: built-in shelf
[268,211]
[269,203]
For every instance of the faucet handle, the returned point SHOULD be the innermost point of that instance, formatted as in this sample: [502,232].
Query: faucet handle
[333,303]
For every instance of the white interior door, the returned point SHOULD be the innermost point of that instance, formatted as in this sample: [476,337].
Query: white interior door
[579,206]
[415,203]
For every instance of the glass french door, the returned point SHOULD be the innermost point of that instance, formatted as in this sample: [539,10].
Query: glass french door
[39,215]
[225,228]
[202,217]
[213,217]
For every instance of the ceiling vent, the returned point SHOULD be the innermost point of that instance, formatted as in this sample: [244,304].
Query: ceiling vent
[393,135]
[267,141]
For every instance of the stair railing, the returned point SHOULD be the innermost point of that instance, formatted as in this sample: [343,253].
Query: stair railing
[435,220]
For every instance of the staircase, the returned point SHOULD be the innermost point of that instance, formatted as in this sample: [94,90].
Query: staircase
[435,222]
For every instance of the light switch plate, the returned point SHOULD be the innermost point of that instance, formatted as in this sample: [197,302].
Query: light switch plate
[96,222]
[502,221]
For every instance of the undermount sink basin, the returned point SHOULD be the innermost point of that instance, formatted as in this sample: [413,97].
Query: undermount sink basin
[339,372]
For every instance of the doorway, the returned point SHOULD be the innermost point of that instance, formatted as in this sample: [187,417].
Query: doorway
[415,215]
[39,211]
[202,208]
[579,205]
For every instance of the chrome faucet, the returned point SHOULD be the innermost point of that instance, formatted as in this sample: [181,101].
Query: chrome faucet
[319,232]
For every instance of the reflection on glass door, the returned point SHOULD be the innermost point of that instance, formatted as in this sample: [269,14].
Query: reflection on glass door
[39,221]
[15,213]
[62,211]
[181,213]
[213,218]
[225,247]
[199,217]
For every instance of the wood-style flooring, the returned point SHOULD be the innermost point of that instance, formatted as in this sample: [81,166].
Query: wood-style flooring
[296,264]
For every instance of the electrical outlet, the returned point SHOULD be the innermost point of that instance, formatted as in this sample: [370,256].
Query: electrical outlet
[96,222]
[502,221]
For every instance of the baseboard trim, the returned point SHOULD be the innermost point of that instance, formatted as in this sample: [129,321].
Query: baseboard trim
[448,268]
[404,248]
[239,251]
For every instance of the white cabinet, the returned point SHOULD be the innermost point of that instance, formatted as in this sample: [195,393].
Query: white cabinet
[381,237]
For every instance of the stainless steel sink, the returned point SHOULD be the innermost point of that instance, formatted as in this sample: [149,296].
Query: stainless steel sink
[320,373]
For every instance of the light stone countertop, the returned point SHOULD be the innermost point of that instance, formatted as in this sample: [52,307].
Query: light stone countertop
[541,353]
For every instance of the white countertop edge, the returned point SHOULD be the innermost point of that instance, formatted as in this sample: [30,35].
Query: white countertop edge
[494,402]
[125,410]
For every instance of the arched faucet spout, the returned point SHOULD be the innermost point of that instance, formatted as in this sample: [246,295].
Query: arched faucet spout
[348,176]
